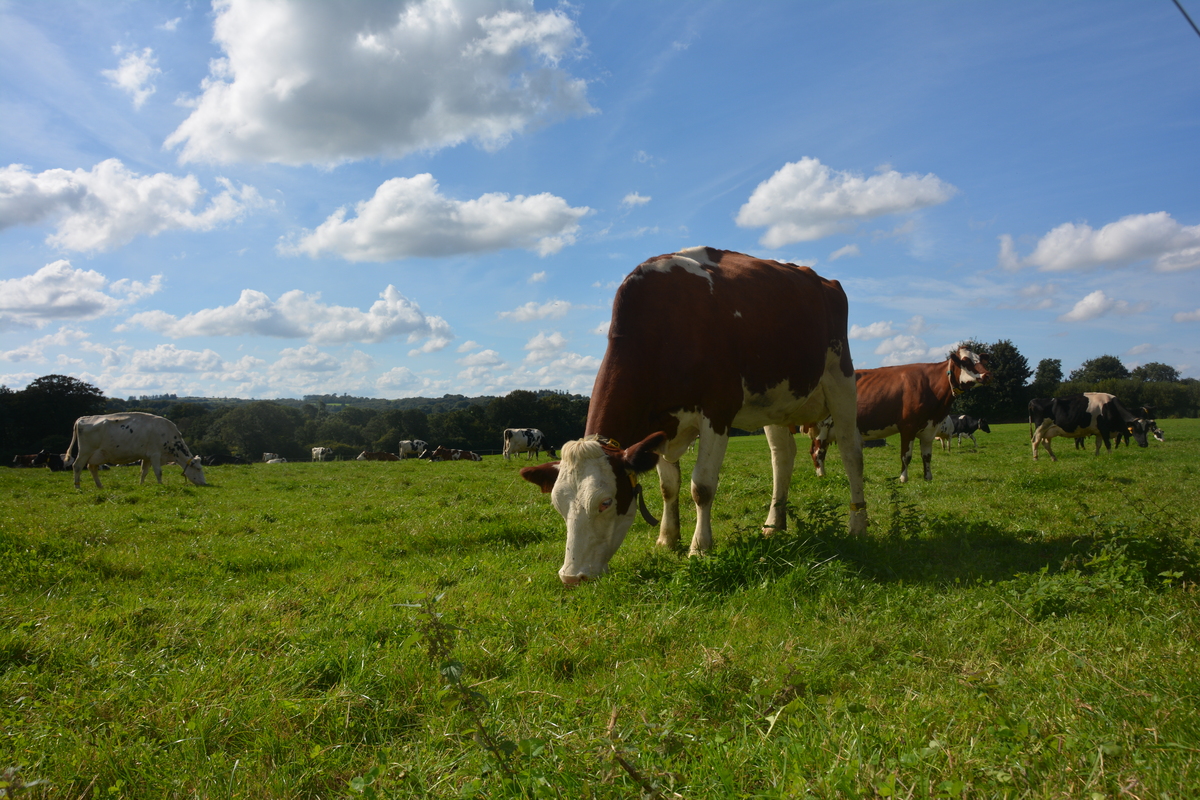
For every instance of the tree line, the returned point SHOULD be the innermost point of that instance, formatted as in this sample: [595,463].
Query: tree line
[41,415]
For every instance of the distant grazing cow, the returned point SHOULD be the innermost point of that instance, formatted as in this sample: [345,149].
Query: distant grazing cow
[220,460]
[525,440]
[412,447]
[961,426]
[702,341]
[26,462]
[1081,415]
[270,456]
[322,453]
[446,454]
[128,437]
[911,399]
[368,455]
[278,461]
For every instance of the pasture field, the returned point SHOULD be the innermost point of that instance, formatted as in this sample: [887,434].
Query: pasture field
[397,630]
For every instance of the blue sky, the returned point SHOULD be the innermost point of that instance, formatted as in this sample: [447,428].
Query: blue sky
[271,199]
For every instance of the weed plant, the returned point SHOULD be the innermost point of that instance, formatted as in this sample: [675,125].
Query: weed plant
[396,630]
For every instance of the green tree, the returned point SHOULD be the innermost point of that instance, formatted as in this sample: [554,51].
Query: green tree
[1155,371]
[260,427]
[1100,368]
[1047,378]
[47,408]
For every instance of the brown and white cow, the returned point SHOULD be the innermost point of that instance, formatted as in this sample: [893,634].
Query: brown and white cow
[376,455]
[128,437]
[447,454]
[910,399]
[701,341]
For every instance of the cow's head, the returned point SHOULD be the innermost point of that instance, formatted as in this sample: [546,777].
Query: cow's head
[1140,428]
[193,471]
[972,368]
[593,488]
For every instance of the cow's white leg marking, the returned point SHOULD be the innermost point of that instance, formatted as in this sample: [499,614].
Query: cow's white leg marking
[783,461]
[669,478]
[841,397]
[705,475]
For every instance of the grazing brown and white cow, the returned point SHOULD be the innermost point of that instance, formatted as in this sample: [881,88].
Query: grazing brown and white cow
[447,454]
[128,437]
[412,447]
[1082,415]
[376,455]
[910,399]
[28,461]
[701,341]
[525,440]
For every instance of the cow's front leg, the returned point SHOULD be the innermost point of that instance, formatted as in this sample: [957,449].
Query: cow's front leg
[95,470]
[705,475]
[669,479]
[783,461]
[146,470]
[906,452]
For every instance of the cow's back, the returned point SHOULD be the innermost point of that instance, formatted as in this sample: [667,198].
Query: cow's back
[711,335]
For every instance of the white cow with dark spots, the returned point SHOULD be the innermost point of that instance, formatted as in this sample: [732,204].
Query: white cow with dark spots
[525,440]
[129,437]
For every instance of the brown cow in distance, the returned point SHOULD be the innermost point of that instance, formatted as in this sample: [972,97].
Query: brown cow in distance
[910,399]
[702,341]
[374,455]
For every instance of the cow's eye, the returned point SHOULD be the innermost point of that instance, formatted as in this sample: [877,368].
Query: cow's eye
[604,505]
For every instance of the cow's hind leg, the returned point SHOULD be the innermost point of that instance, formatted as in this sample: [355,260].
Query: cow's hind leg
[95,470]
[841,396]
[783,461]
[669,478]
[705,476]
[146,471]
[906,454]
[925,437]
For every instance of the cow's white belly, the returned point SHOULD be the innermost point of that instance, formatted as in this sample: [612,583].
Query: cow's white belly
[881,433]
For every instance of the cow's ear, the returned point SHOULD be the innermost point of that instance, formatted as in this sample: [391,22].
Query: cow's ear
[543,475]
[641,456]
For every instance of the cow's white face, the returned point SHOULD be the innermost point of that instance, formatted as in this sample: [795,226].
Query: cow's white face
[193,471]
[585,494]
[972,367]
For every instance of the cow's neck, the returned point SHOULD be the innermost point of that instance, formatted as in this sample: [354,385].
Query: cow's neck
[947,388]
[622,410]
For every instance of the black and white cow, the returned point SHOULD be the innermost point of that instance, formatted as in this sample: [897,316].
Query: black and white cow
[525,440]
[322,453]
[958,427]
[129,437]
[1081,415]
[412,447]
[269,457]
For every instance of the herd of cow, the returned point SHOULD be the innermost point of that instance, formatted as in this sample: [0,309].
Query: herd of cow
[701,341]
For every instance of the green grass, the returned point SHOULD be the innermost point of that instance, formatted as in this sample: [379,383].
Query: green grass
[1012,629]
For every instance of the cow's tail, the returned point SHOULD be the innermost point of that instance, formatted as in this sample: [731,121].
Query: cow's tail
[74,440]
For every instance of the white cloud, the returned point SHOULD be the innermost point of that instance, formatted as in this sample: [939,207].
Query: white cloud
[60,291]
[544,347]
[1157,238]
[842,252]
[908,349]
[135,75]
[169,358]
[1138,350]
[303,82]
[554,309]
[468,346]
[876,330]
[634,199]
[408,383]
[806,200]
[171,24]
[297,315]
[484,358]
[34,351]
[538,277]
[409,217]
[1098,304]
[602,328]
[1187,316]
[110,206]
[305,359]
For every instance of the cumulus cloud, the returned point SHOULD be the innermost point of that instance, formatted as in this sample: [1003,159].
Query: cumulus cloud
[545,346]
[60,291]
[538,277]
[34,351]
[908,349]
[484,358]
[302,82]
[135,74]
[602,328]
[531,311]
[297,315]
[410,217]
[1155,238]
[109,206]
[169,358]
[634,199]
[1187,316]
[880,330]
[1098,304]
[405,382]
[806,200]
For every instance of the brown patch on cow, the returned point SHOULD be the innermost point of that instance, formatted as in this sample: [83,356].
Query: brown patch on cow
[702,495]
